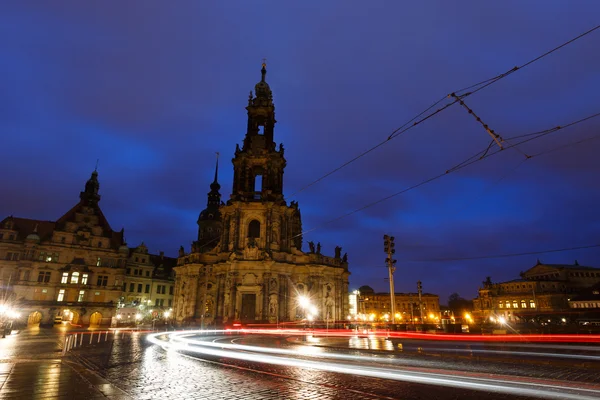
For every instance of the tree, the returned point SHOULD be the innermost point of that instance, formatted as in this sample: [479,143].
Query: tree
[458,305]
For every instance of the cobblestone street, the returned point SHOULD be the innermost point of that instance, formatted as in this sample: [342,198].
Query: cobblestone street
[148,372]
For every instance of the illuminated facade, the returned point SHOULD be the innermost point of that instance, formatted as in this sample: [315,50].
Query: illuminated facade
[77,269]
[247,264]
[70,269]
[372,306]
[543,290]
[149,279]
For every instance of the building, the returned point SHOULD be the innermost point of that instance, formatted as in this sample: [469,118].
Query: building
[69,269]
[542,292]
[247,264]
[366,304]
[149,279]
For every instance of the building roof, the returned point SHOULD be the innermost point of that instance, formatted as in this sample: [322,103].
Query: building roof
[26,226]
[575,265]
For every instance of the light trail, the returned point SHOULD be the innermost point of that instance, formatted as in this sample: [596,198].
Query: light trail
[381,333]
[548,389]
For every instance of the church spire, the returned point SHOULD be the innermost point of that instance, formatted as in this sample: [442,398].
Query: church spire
[215,182]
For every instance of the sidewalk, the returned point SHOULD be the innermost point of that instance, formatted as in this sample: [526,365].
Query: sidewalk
[31,367]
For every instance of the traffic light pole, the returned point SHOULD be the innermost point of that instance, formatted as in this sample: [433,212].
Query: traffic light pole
[392,269]
[388,247]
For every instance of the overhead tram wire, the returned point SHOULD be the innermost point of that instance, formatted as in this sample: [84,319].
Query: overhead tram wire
[392,135]
[459,93]
[471,160]
[491,81]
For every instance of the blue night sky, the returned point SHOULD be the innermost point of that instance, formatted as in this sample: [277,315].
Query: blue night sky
[153,89]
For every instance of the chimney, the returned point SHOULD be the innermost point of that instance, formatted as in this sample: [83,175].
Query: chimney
[162,255]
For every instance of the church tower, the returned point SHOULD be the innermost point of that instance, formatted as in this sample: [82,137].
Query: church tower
[248,265]
[256,215]
[258,167]
[209,220]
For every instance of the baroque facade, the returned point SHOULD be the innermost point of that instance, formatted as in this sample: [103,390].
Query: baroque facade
[543,291]
[247,264]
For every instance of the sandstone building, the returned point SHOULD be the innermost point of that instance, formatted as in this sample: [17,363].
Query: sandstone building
[70,269]
[247,264]
[542,293]
[76,269]
[369,305]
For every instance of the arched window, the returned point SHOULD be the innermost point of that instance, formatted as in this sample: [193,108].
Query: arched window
[254,229]
[75,277]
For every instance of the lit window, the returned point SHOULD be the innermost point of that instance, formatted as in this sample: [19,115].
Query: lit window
[531,304]
[84,279]
[515,304]
[96,293]
[65,278]
[75,277]
[99,262]
[501,305]
[48,258]
[508,304]
[61,295]
[523,304]
[81,294]
[44,290]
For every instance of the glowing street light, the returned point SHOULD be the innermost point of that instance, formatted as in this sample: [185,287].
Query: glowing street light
[138,316]
[303,301]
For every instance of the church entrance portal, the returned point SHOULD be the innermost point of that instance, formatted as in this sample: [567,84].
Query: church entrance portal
[248,308]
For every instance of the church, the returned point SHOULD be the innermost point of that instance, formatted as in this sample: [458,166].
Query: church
[247,265]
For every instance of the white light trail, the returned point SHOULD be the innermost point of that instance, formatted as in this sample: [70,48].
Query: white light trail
[548,389]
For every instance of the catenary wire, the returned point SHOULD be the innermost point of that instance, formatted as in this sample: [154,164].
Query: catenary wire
[480,86]
[453,169]
[491,81]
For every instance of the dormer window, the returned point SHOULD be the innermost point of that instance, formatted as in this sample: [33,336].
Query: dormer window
[75,278]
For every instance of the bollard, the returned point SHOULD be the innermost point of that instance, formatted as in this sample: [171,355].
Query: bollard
[106,337]
[99,335]
[91,336]
[75,341]
[65,347]
[80,340]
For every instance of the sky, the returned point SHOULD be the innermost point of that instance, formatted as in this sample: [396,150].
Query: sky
[153,89]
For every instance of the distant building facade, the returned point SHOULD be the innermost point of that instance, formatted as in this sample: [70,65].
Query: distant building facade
[376,307]
[247,264]
[149,279]
[542,291]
